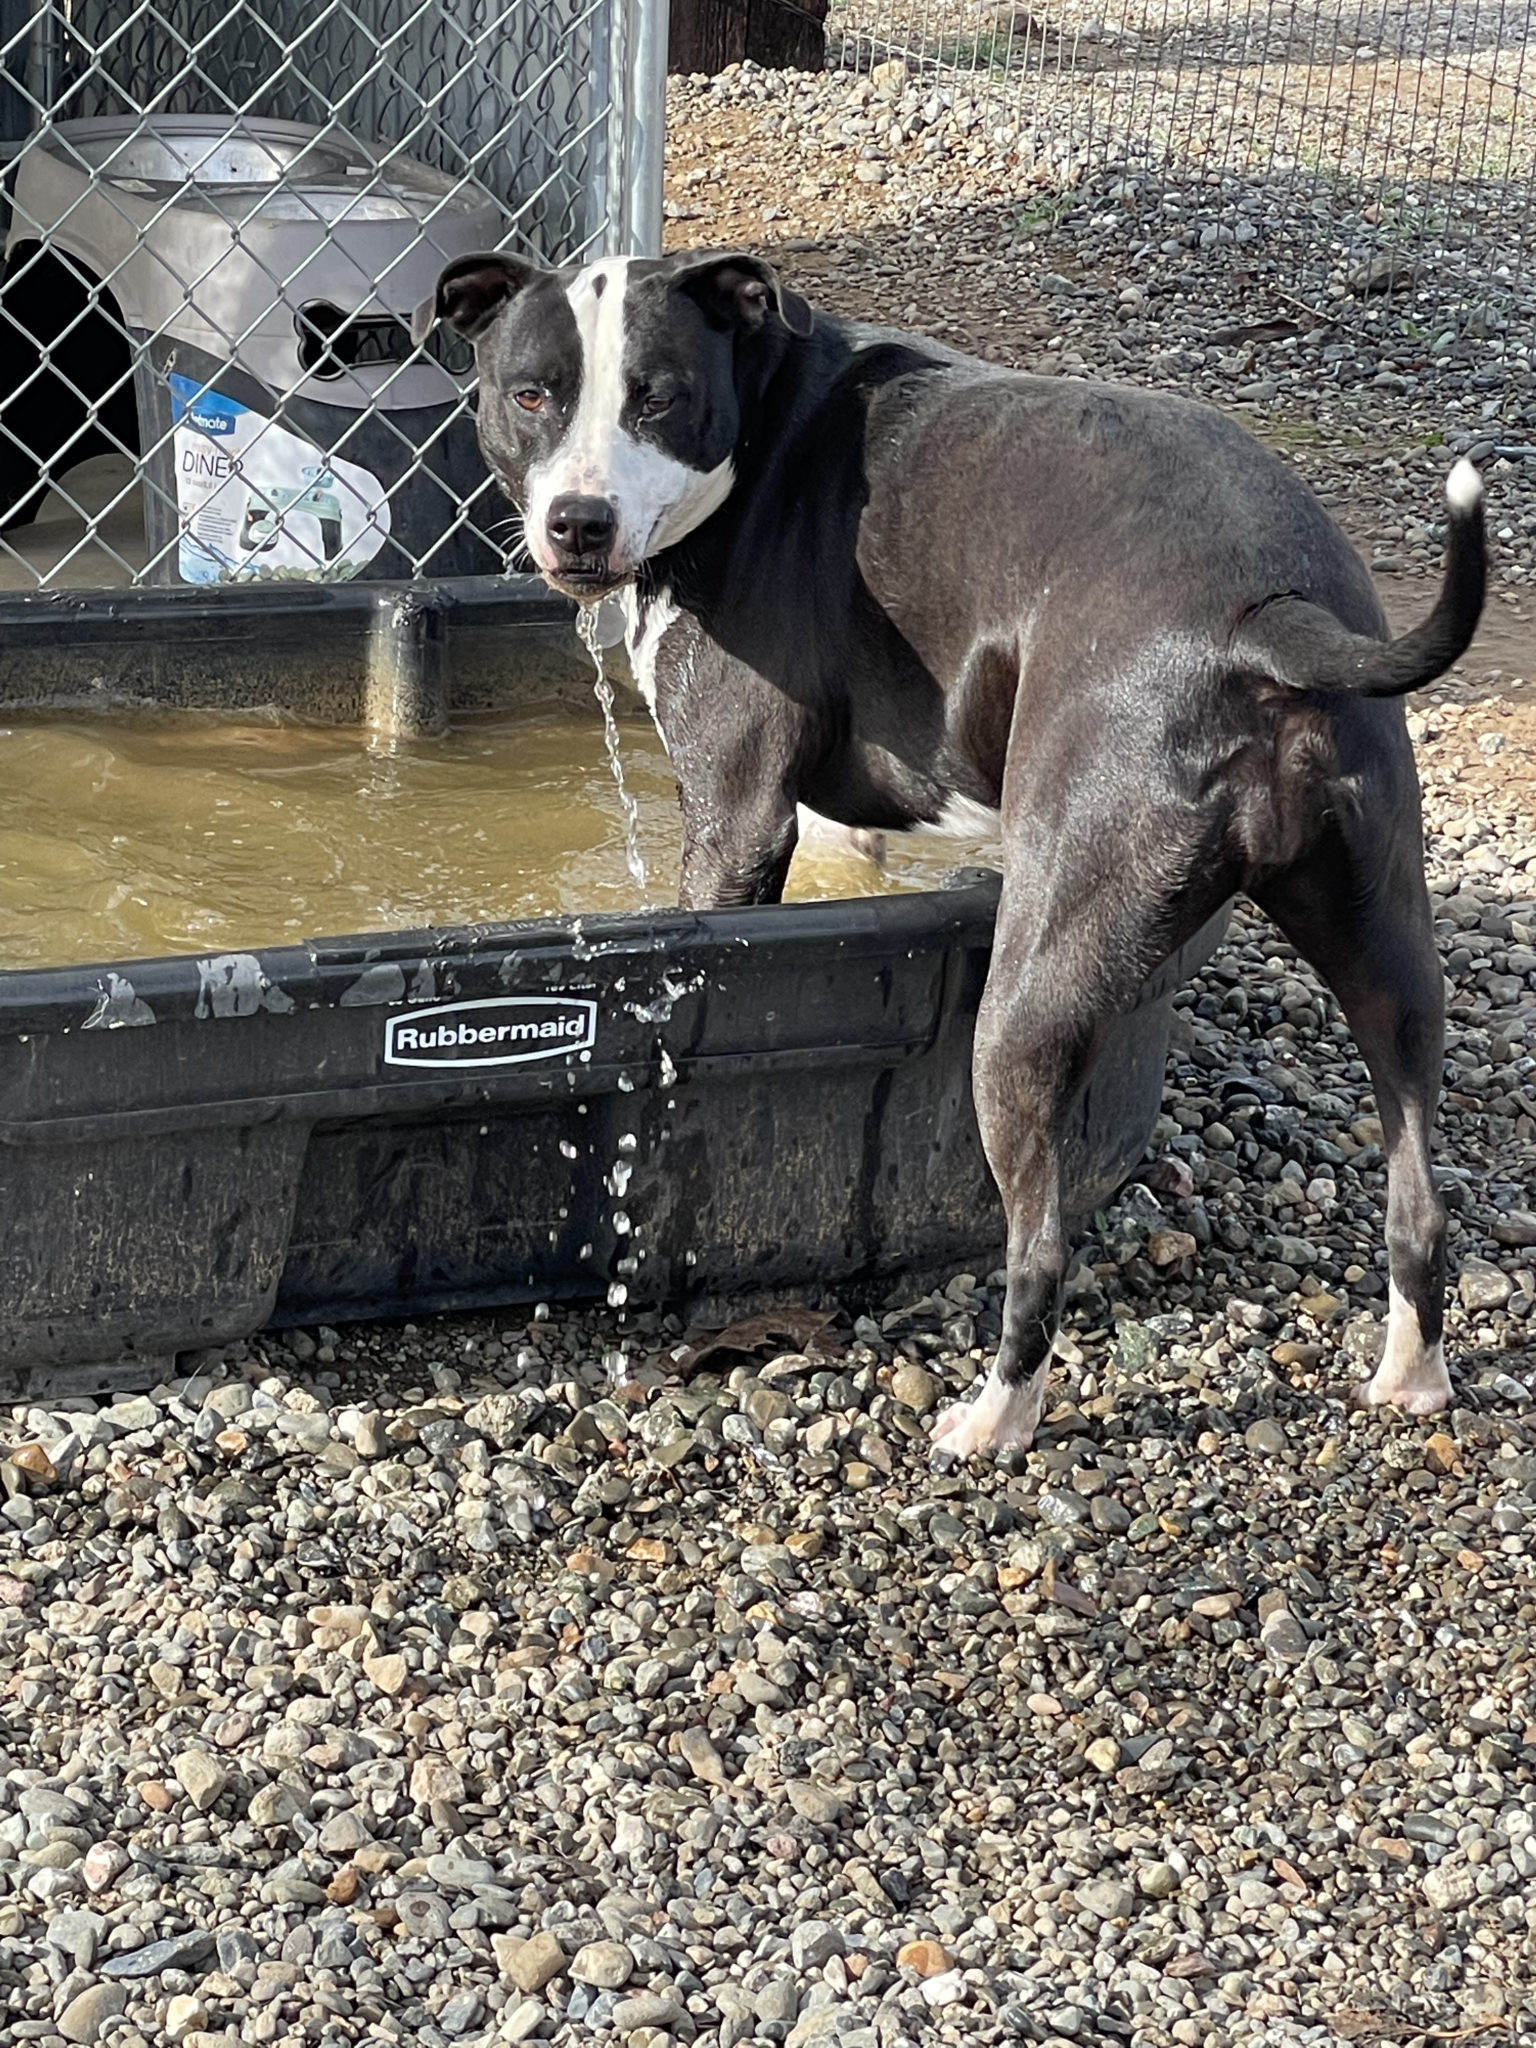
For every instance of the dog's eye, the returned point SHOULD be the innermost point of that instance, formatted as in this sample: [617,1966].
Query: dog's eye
[654,404]
[531,399]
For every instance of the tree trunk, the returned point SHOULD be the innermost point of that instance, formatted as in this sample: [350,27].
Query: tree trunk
[783,35]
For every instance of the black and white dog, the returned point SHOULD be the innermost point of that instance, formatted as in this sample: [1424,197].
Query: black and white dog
[903,587]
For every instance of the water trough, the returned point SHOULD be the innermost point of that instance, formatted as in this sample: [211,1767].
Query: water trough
[653,1106]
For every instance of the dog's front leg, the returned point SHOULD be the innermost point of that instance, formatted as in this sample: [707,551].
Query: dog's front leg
[735,852]
[737,747]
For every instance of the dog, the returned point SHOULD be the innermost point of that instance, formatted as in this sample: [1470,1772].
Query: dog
[901,587]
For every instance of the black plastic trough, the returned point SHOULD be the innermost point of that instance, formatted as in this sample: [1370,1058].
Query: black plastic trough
[378,1126]
[774,1099]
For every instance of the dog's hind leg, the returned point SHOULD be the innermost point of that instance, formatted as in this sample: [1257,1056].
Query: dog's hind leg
[1362,917]
[1070,953]
[1030,1055]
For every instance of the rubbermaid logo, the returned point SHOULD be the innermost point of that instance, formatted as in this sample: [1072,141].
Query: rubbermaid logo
[502,1031]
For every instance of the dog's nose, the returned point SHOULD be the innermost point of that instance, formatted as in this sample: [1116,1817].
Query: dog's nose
[582,526]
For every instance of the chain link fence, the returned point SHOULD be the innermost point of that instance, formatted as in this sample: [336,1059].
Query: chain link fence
[1406,127]
[221,214]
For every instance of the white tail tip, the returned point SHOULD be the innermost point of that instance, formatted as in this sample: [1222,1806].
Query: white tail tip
[1464,487]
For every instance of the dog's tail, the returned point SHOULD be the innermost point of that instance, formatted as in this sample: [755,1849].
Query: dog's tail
[1304,647]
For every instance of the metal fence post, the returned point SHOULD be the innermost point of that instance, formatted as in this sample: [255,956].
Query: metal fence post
[648,117]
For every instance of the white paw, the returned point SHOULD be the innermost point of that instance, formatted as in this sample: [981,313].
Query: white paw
[1412,1374]
[1000,1418]
[1427,1394]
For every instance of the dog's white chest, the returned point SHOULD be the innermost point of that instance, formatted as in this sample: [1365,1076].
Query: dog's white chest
[645,627]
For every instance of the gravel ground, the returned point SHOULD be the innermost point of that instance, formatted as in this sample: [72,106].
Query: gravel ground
[567,1678]
[514,1678]
[898,197]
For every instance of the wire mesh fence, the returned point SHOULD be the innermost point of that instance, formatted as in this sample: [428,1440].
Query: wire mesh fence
[1412,123]
[221,215]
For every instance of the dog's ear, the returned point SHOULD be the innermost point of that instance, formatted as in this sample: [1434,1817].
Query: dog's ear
[470,293]
[739,291]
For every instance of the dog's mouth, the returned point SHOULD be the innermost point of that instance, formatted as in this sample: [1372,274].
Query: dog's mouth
[587,582]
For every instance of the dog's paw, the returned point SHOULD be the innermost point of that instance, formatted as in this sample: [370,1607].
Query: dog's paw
[1425,1396]
[1411,1375]
[999,1419]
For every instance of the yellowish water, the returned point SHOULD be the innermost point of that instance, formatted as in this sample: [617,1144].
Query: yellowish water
[176,832]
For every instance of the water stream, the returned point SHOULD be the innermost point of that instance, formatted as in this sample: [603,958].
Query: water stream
[587,633]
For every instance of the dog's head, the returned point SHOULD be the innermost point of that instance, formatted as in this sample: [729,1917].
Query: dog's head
[610,396]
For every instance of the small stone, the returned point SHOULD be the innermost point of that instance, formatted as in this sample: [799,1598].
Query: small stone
[344,1886]
[1450,1885]
[289,1887]
[35,1462]
[765,1406]
[1284,1637]
[183,2015]
[778,2001]
[1167,1247]
[522,2022]
[368,1438]
[456,2015]
[128,1416]
[814,1802]
[275,1805]
[1266,1436]
[816,2025]
[1104,1753]
[345,1831]
[916,1389]
[1106,1899]
[1441,1453]
[434,1778]
[925,1957]
[814,1943]
[701,1756]
[1516,1229]
[531,1964]
[1158,1880]
[187,1951]
[236,1945]
[1482,1286]
[388,1672]
[202,1777]
[1389,270]
[76,1934]
[647,2009]
[462,1873]
[1292,1353]
[606,1965]
[156,1796]
[86,2014]
[423,1915]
